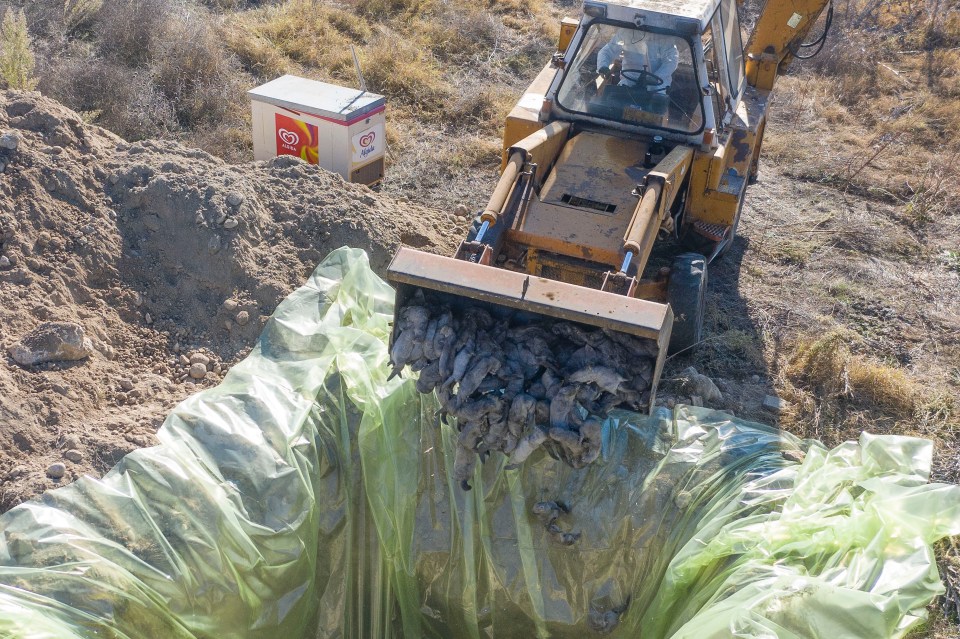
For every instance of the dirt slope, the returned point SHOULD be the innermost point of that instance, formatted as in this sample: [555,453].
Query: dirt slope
[157,251]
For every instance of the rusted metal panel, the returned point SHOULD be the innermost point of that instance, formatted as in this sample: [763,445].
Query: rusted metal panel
[572,232]
[572,216]
[547,297]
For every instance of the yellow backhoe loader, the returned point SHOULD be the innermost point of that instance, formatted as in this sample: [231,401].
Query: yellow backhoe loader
[646,123]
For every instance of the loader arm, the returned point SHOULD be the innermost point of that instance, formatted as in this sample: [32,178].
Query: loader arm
[781,28]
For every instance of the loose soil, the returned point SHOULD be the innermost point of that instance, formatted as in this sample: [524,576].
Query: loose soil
[161,253]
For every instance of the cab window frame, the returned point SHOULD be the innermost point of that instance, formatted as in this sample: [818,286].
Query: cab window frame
[685,38]
[726,9]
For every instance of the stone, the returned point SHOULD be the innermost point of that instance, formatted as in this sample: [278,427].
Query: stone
[755,379]
[10,141]
[198,371]
[126,384]
[230,305]
[137,299]
[60,389]
[71,441]
[184,360]
[774,403]
[148,318]
[243,318]
[17,472]
[52,342]
[235,199]
[4,261]
[74,455]
[796,456]
[230,223]
[199,358]
[56,471]
[696,384]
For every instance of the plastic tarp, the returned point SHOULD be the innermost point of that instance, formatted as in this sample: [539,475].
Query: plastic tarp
[307,496]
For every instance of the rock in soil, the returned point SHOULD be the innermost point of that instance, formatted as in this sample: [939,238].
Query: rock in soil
[699,385]
[774,403]
[198,371]
[74,455]
[56,471]
[52,342]
[9,141]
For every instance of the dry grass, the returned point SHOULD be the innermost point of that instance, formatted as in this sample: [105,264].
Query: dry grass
[878,106]
[827,375]
[450,70]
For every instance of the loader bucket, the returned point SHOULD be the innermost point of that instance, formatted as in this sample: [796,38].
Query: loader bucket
[502,291]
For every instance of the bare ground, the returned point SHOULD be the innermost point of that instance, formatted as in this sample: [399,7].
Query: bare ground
[159,252]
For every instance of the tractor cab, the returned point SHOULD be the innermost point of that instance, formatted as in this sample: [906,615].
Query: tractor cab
[657,67]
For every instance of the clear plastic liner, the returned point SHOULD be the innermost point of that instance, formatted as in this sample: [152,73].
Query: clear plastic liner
[307,496]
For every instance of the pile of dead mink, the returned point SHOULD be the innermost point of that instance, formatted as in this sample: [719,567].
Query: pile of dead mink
[515,385]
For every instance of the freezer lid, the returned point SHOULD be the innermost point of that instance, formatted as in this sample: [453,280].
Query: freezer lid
[318,98]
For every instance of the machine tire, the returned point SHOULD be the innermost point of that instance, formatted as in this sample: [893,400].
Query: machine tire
[686,293]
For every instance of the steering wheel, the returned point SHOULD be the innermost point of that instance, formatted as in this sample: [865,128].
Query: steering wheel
[643,77]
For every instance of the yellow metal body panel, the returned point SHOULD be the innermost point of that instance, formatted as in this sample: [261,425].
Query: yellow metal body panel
[715,191]
[568,26]
[524,118]
[534,294]
[593,171]
[781,25]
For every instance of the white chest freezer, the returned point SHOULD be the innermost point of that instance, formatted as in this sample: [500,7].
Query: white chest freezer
[340,129]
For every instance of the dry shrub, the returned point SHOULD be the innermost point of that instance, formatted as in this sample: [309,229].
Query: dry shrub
[300,32]
[118,98]
[256,53]
[841,379]
[79,15]
[410,76]
[17,62]
[127,31]
[190,67]
[385,9]
[463,35]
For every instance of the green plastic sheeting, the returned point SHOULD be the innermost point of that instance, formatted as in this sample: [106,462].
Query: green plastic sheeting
[307,496]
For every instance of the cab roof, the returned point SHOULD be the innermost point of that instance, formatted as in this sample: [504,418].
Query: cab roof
[668,14]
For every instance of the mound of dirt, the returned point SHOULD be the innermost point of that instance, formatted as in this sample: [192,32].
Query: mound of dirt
[168,258]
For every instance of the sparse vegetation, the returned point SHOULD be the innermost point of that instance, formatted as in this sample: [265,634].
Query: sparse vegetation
[16,54]
[879,107]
